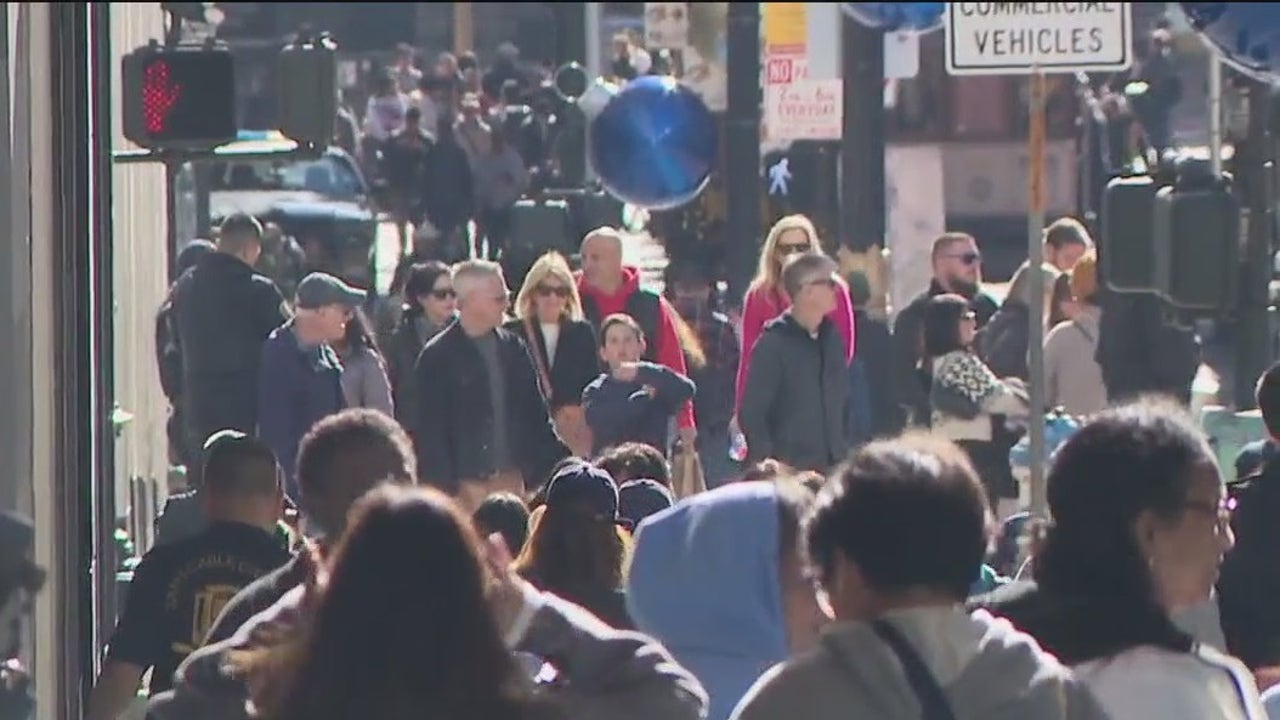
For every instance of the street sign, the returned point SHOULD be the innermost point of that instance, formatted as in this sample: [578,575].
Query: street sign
[805,110]
[1019,38]
[666,25]
[785,69]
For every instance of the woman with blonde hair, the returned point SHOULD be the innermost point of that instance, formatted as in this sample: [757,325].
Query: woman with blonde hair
[562,343]
[765,299]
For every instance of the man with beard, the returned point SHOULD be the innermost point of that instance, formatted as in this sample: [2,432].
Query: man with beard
[957,269]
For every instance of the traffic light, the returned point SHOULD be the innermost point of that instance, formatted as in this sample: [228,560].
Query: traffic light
[179,98]
[307,79]
[1197,234]
[1126,247]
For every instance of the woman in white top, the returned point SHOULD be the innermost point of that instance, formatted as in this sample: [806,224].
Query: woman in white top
[1140,525]
[548,317]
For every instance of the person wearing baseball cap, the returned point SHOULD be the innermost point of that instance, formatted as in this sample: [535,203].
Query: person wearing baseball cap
[300,381]
[578,544]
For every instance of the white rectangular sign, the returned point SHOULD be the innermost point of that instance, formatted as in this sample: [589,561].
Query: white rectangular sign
[1015,38]
[666,25]
[805,110]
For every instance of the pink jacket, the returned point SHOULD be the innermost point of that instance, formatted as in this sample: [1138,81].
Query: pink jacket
[761,305]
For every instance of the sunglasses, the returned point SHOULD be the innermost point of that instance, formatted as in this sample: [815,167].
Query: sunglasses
[559,291]
[968,258]
[793,248]
[444,294]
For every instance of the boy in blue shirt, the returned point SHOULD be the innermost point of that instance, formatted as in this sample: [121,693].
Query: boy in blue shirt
[634,401]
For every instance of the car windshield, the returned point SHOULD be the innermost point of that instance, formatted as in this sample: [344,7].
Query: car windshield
[328,176]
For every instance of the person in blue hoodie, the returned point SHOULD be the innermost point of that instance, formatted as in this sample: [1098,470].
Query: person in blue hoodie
[719,580]
[634,401]
[300,378]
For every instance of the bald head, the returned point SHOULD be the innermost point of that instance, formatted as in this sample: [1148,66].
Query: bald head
[602,259]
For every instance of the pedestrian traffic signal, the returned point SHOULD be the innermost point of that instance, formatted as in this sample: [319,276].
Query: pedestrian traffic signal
[179,99]
[1127,244]
[1197,239]
[307,91]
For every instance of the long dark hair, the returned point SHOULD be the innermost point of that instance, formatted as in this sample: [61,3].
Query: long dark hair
[420,279]
[402,629]
[358,335]
[569,551]
[1125,461]
[941,326]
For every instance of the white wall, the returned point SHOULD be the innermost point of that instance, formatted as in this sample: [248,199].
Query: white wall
[141,258]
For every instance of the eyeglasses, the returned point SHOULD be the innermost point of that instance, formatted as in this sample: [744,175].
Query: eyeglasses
[971,315]
[1220,511]
[793,248]
[559,291]
[443,294]
[968,258]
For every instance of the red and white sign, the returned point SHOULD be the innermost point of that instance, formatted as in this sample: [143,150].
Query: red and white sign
[785,69]
[805,110]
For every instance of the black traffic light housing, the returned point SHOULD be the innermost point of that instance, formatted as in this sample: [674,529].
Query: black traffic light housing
[307,90]
[179,98]
[1196,224]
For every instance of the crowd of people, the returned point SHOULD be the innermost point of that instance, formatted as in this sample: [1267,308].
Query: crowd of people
[597,502]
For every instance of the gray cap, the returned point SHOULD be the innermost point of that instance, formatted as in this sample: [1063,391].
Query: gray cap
[319,290]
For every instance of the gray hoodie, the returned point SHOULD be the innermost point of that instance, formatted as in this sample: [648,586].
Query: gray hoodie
[602,673]
[986,668]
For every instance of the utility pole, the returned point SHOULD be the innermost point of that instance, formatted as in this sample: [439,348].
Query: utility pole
[862,203]
[742,145]
[464,36]
[1257,167]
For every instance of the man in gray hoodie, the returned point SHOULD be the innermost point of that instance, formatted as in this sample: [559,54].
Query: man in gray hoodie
[896,540]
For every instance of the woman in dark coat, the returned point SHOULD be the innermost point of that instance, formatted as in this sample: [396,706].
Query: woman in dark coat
[429,307]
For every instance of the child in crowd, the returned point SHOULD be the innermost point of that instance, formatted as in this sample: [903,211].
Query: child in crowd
[634,400]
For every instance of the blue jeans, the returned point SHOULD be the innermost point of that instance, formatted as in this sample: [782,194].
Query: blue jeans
[717,467]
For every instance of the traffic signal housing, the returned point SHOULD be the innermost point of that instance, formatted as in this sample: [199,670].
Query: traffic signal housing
[1197,239]
[179,98]
[1127,245]
[307,90]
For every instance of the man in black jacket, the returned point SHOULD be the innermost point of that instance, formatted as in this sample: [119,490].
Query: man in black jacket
[1249,585]
[957,269]
[222,313]
[795,405]
[482,425]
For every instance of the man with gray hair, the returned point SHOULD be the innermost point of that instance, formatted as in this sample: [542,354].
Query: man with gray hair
[794,407]
[482,425]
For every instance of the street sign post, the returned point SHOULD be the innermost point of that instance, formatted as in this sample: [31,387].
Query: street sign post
[1034,39]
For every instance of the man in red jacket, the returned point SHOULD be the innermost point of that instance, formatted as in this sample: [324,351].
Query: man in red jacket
[608,287]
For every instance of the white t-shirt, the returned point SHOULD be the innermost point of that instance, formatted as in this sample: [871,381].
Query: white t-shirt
[1148,683]
[551,336]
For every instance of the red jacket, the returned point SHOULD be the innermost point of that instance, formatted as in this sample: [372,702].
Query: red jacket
[762,305]
[666,346]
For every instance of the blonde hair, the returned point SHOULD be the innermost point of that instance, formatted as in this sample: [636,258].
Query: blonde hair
[551,265]
[769,272]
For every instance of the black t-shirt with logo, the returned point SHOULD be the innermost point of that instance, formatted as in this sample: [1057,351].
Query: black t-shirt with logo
[178,590]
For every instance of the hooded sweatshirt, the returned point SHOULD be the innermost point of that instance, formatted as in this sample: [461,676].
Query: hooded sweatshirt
[665,347]
[986,669]
[705,581]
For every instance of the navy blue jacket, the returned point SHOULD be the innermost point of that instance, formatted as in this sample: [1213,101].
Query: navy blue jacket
[296,388]
[620,412]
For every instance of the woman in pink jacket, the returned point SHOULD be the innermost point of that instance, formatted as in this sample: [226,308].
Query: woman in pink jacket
[765,299]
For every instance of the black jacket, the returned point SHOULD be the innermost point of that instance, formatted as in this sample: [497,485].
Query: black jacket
[454,428]
[1249,586]
[401,351]
[222,313]
[908,345]
[796,403]
[577,360]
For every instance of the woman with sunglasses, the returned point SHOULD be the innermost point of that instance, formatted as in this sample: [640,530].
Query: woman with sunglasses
[430,304]
[549,318]
[765,299]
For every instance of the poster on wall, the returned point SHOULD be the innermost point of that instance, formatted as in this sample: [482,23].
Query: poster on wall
[916,205]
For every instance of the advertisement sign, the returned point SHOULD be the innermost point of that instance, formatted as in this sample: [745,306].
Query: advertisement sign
[805,110]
